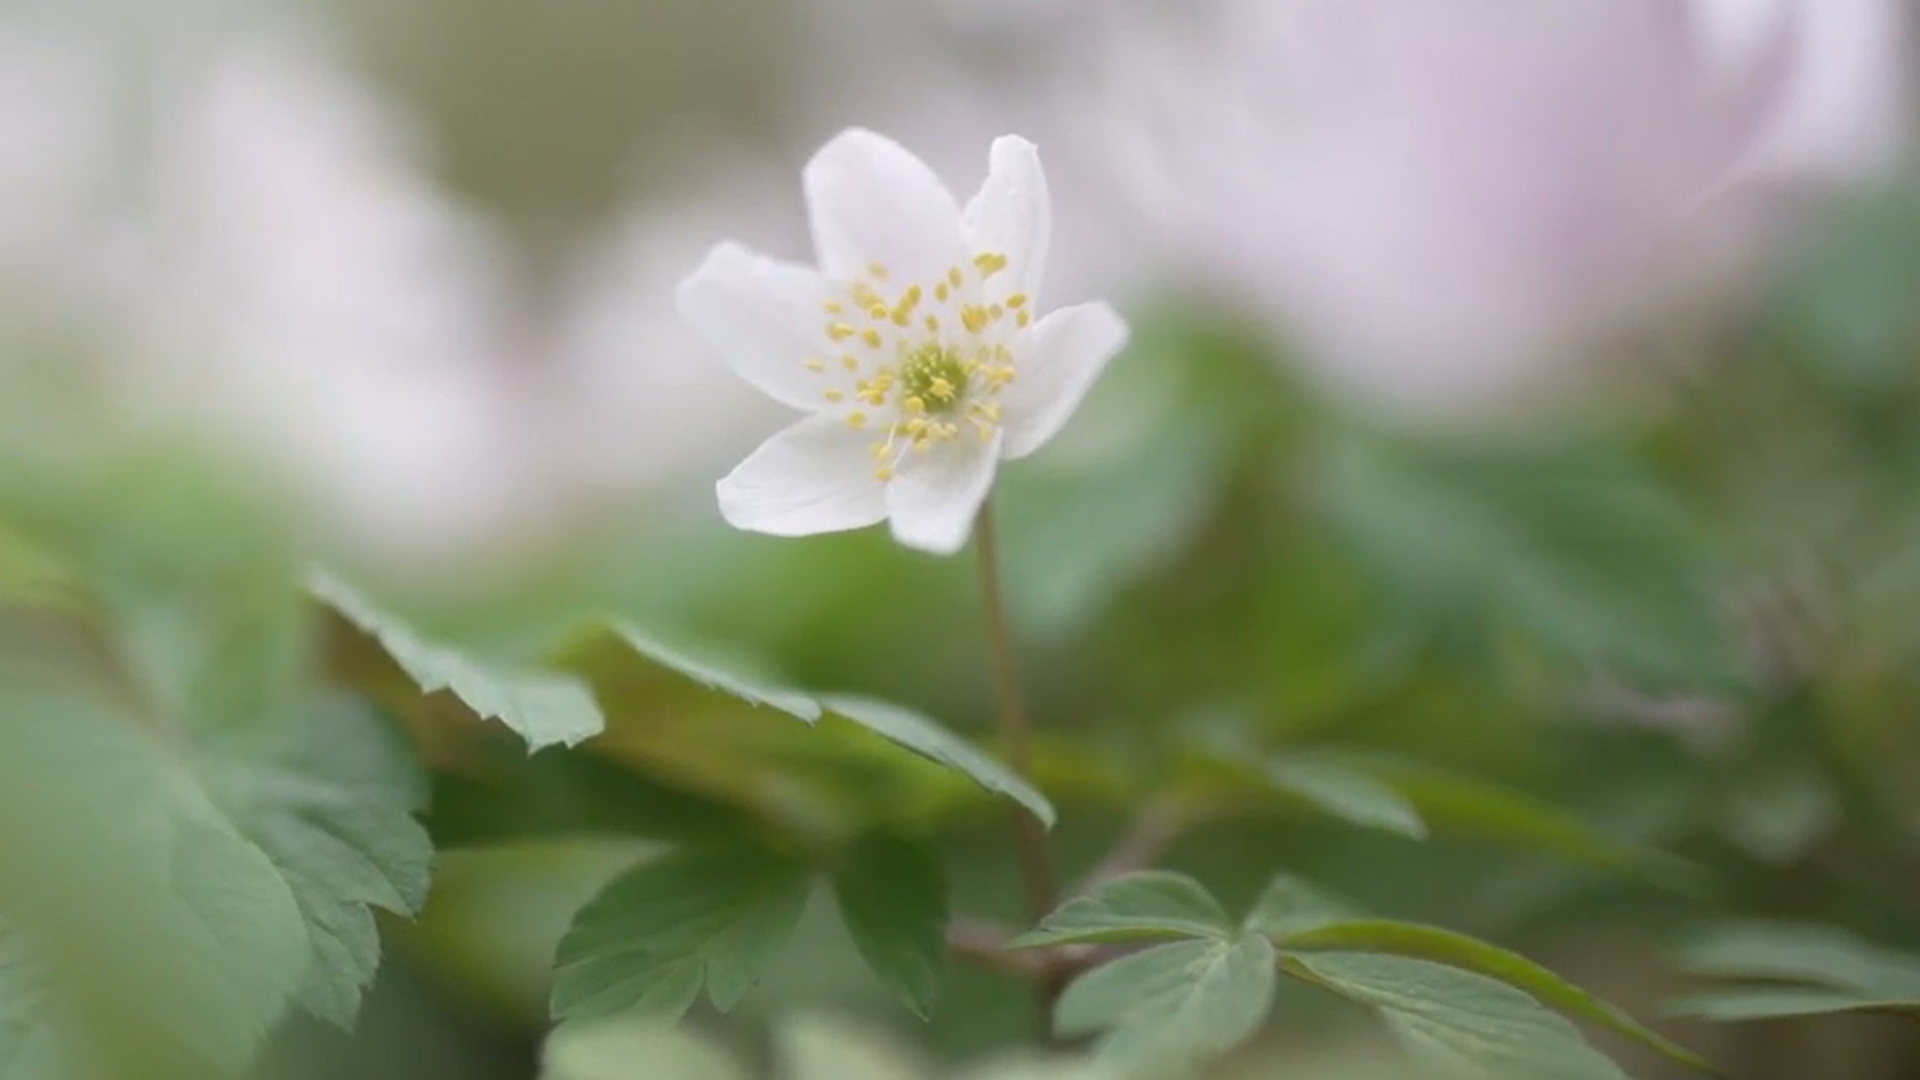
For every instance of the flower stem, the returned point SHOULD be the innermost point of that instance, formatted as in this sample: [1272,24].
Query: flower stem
[1036,864]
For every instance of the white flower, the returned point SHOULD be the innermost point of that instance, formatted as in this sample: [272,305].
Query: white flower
[1444,202]
[1846,110]
[915,347]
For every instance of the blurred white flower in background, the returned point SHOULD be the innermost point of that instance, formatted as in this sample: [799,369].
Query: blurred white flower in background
[251,248]
[1442,203]
[54,111]
[637,404]
[1846,113]
[302,289]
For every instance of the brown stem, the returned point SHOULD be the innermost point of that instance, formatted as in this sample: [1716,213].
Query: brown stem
[1148,838]
[1036,865]
[1030,836]
[984,945]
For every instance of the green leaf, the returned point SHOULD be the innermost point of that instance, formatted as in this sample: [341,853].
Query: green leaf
[1797,970]
[618,1050]
[659,932]
[1464,1024]
[323,792]
[1459,951]
[853,720]
[1290,906]
[217,661]
[332,805]
[544,708]
[1138,907]
[910,730]
[1457,804]
[1168,1008]
[1840,309]
[893,899]
[1743,1003]
[1347,792]
[1142,482]
[31,1047]
[715,676]
[1569,540]
[129,886]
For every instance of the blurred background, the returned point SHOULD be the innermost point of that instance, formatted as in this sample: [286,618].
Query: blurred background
[1525,392]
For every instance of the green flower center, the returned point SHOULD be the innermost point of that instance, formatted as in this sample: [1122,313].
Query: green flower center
[936,377]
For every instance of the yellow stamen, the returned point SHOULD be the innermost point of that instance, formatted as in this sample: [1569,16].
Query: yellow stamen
[989,263]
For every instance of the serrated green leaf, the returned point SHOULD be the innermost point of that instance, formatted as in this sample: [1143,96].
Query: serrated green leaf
[716,676]
[893,900]
[1798,970]
[1173,1006]
[1346,791]
[544,708]
[332,804]
[616,1050]
[323,792]
[1289,905]
[917,733]
[851,719]
[1459,951]
[1464,1024]
[659,932]
[130,883]
[1153,904]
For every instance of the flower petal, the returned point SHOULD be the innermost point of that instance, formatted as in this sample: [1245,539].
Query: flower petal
[763,317]
[1013,213]
[936,496]
[1057,360]
[813,477]
[870,201]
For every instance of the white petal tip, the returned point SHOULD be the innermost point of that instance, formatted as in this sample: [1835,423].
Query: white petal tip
[857,141]
[941,545]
